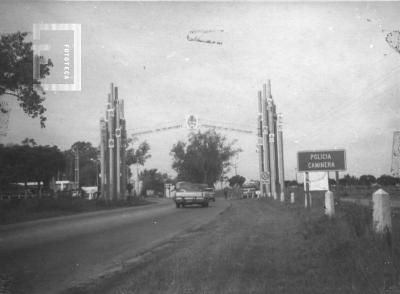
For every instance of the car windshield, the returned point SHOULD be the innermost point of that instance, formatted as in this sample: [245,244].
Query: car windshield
[186,186]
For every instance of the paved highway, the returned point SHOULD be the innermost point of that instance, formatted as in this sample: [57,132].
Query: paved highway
[51,255]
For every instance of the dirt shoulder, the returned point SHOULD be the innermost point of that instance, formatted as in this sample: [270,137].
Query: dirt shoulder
[255,246]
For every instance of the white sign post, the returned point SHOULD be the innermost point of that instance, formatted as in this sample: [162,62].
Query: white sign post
[329,204]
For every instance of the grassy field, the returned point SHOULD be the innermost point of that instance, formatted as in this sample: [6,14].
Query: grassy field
[19,210]
[263,246]
[366,192]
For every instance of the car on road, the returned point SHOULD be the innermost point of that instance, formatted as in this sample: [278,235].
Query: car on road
[210,193]
[250,189]
[187,193]
[249,192]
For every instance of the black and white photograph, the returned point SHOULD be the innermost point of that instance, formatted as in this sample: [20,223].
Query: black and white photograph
[199,147]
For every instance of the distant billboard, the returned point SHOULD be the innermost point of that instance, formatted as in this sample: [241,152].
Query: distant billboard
[321,160]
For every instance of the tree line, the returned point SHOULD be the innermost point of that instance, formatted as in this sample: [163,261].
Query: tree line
[367,180]
[205,158]
[30,162]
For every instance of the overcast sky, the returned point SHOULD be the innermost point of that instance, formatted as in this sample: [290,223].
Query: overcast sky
[334,77]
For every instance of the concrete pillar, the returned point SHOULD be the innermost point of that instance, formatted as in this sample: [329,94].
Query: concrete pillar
[103,142]
[281,174]
[124,167]
[271,136]
[265,140]
[113,141]
[260,143]
[111,147]
[272,163]
[329,204]
[106,159]
[117,146]
[292,197]
[382,219]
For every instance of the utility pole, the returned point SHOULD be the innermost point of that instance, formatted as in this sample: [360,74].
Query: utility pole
[77,167]
[236,165]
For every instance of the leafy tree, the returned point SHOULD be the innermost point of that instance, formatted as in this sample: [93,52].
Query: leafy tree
[88,163]
[16,74]
[29,142]
[386,180]
[47,161]
[291,183]
[331,182]
[153,180]
[236,180]
[129,187]
[348,180]
[367,180]
[138,155]
[204,159]
[25,163]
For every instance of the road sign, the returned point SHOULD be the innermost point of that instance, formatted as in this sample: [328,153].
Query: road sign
[111,112]
[192,122]
[118,132]
[111,143]
[321,160]
[271,138]
[265,177]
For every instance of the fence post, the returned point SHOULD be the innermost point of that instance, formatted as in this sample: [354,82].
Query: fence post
[382,220]
[292,197]
[329,204]
[307,197]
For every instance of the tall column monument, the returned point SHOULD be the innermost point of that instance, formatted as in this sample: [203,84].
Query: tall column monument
[113,142]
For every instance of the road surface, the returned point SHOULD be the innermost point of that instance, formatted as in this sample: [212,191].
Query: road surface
[51,255]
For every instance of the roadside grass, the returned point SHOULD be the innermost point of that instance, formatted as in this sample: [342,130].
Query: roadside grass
[264,246]
[19,210]
[356,191]
[366,192]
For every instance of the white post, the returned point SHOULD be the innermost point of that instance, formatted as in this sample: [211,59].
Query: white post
[382,212]
[292,197]
[329,204]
